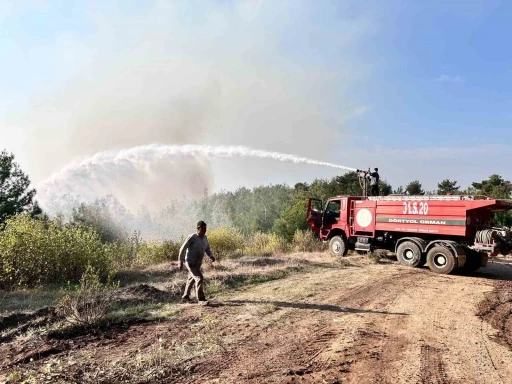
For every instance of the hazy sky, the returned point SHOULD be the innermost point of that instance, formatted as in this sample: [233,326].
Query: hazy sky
[422,90]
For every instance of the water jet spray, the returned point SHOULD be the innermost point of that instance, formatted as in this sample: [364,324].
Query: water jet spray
[100,166]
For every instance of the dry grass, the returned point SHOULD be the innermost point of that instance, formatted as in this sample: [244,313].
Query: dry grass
[28,299]
[304,241]
[89,303]
[219,277]
[260,310]
[247,271]
[155,361]
[165,356]
[343,262]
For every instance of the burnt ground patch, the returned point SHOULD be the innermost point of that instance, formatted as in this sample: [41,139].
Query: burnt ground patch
[496,309]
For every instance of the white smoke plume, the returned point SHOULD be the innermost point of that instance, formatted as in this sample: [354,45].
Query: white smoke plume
[255,73]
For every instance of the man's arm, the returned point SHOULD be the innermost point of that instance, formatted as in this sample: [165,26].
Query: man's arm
[209,251]
[184,246]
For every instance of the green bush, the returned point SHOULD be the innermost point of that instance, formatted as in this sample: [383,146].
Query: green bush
[119,254]
[34,252]
[304,241]
[292,218]
[171,249]
[155,252]
[265,244]
[226,242]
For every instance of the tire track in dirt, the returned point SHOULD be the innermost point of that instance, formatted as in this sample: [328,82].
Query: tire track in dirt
[496,310]
[488,352]
[368,347]
[364,342]
[317,347]
[365,294]
[432,367]
[439,342]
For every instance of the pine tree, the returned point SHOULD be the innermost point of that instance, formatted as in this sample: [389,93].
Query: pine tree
[447,186]
[15,195]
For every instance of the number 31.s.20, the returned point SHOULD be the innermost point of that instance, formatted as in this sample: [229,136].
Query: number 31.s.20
[412,209]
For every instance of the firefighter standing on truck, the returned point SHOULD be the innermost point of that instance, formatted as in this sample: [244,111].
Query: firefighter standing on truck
[191,253]
[374,182]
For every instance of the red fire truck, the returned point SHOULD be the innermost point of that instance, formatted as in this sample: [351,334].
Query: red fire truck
[445,232]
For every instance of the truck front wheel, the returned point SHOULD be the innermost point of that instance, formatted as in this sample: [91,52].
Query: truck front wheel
[441,260]
[338,246]
[409,254]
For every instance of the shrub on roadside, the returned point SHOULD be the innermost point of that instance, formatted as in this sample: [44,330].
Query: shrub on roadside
[119,254]
[226,242]
[90,302]
[304,241]
[265,244]
[155,252]
[34,252]
[171,249]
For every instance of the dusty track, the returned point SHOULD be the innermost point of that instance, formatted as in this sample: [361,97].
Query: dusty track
[379,324]
[367,323]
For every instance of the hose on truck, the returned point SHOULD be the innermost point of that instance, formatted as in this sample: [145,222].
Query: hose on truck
[503,244]
[484,236]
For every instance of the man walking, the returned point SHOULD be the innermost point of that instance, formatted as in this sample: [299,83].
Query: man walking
[191,253]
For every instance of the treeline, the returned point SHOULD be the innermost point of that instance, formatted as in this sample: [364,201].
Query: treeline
[278,209]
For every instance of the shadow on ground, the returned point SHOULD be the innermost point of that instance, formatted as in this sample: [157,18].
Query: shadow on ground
[317,307]
[496,269]
[128,277]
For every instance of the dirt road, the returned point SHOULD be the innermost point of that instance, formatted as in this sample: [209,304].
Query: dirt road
[362,323]
[377,324]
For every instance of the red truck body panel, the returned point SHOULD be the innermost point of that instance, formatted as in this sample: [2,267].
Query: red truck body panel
[436,217]
[458,216]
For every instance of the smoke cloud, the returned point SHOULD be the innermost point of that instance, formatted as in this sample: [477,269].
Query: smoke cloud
[193,73]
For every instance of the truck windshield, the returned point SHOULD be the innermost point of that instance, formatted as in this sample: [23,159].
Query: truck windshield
[332,211]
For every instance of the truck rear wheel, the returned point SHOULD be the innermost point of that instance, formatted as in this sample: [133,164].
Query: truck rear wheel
[473,261]
[408,253]
[338,246]
[441,260]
